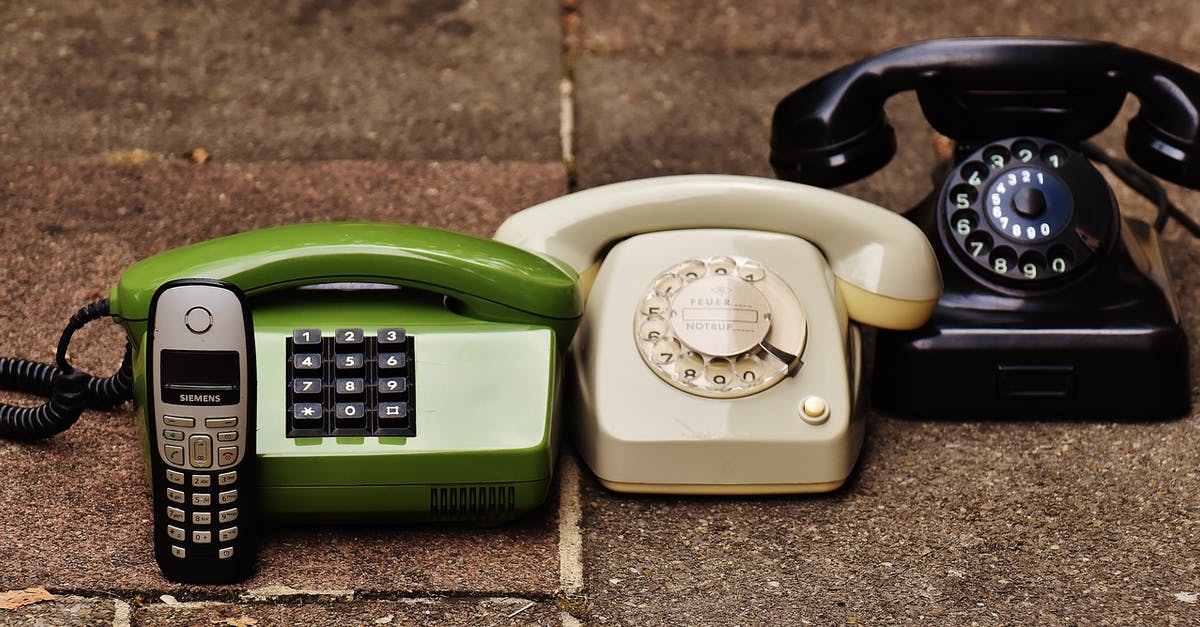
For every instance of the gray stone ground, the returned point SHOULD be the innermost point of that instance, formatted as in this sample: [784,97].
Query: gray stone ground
[448,113]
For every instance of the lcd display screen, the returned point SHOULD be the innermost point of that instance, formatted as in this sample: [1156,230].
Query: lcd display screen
[199,369]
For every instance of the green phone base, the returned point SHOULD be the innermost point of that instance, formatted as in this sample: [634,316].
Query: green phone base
[480,438]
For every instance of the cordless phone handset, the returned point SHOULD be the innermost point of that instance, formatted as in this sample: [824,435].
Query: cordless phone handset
[201,422]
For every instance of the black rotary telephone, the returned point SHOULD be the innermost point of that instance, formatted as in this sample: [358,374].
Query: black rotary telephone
[1054,306]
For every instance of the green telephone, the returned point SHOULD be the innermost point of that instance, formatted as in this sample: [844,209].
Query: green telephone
[377,372]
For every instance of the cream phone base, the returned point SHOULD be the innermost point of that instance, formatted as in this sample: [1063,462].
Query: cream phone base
[690,366]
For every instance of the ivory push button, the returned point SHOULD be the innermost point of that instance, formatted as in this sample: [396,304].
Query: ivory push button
[814,410]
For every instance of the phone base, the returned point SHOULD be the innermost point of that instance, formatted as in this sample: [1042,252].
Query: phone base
[721,489]
[485,503]
[949,371]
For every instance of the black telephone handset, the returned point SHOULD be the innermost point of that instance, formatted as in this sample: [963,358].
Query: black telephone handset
[1053,305]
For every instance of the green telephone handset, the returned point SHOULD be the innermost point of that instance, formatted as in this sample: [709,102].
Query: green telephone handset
[349,372]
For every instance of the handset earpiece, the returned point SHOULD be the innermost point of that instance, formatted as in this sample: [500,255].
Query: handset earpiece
[833,131]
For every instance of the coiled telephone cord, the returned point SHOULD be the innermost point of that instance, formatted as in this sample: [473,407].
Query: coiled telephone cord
[69,391]
[1143,183]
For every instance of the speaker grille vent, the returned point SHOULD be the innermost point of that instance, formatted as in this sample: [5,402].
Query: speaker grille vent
[472,502]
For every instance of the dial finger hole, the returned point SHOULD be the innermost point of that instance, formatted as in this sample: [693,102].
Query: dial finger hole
[1003,259]
[749,369]
[653,329]
[689,366]
[996,156]
[1054,155]
[964,221]
[974,172]
[691,270]
[654,306]
[979,244]
[719,373]
[1061,259]
[963,196]
[668,285]
[751,271]
[722,266]
[665,351]
[1033,265]
[1024,151]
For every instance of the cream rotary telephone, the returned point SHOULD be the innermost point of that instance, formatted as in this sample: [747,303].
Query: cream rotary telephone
[718,352]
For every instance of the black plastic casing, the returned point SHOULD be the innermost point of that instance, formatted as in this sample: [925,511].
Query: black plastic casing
[1105,346]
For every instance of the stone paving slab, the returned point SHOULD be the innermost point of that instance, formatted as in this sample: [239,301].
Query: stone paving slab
[861,28]
[76,507]
[311,79]
[410,611]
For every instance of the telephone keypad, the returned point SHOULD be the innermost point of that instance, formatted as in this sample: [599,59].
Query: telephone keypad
[192,519]
[706,327]
[364,385]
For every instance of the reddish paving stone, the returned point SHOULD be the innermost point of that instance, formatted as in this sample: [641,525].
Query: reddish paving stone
[415,611]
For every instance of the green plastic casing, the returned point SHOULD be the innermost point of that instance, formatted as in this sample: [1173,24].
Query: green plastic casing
[489,324]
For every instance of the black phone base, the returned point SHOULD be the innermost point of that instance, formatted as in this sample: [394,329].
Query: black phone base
[960,371]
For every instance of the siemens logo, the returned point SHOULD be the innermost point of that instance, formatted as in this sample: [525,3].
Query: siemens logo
[200,398]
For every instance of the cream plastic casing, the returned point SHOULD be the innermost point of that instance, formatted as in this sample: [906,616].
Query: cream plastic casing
[639,434]
[842,257]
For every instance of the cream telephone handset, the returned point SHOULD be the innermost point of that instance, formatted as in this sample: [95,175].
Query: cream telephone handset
[718,352]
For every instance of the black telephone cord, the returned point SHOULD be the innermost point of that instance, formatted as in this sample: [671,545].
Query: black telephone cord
[1143,183]
[69,391]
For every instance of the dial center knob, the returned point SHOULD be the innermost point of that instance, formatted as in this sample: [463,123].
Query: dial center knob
[1029,202]
[720,315]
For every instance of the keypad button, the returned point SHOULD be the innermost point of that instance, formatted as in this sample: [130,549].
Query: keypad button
[221,423]
[175,496]
[173,454]
[392,385]
[752,271]
[227,515]
[200,450]
[225,552]
[351,411]
[722,266]
[201,499]
[176,514]
[179,421]
[749,369]
[201,518]
[178,551]
[201,537]
[350,361]
[391,336]
[201,481]
[227,436]
[392,361]
[175,533]
[174,476]
[227,534]
[306,385]
[668,285]
[227,497]
[349,386]
[306,337]
[393,411]
[307,411]
[172,434]
[306,361]
[348,337]
[227,478]
[227,455]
